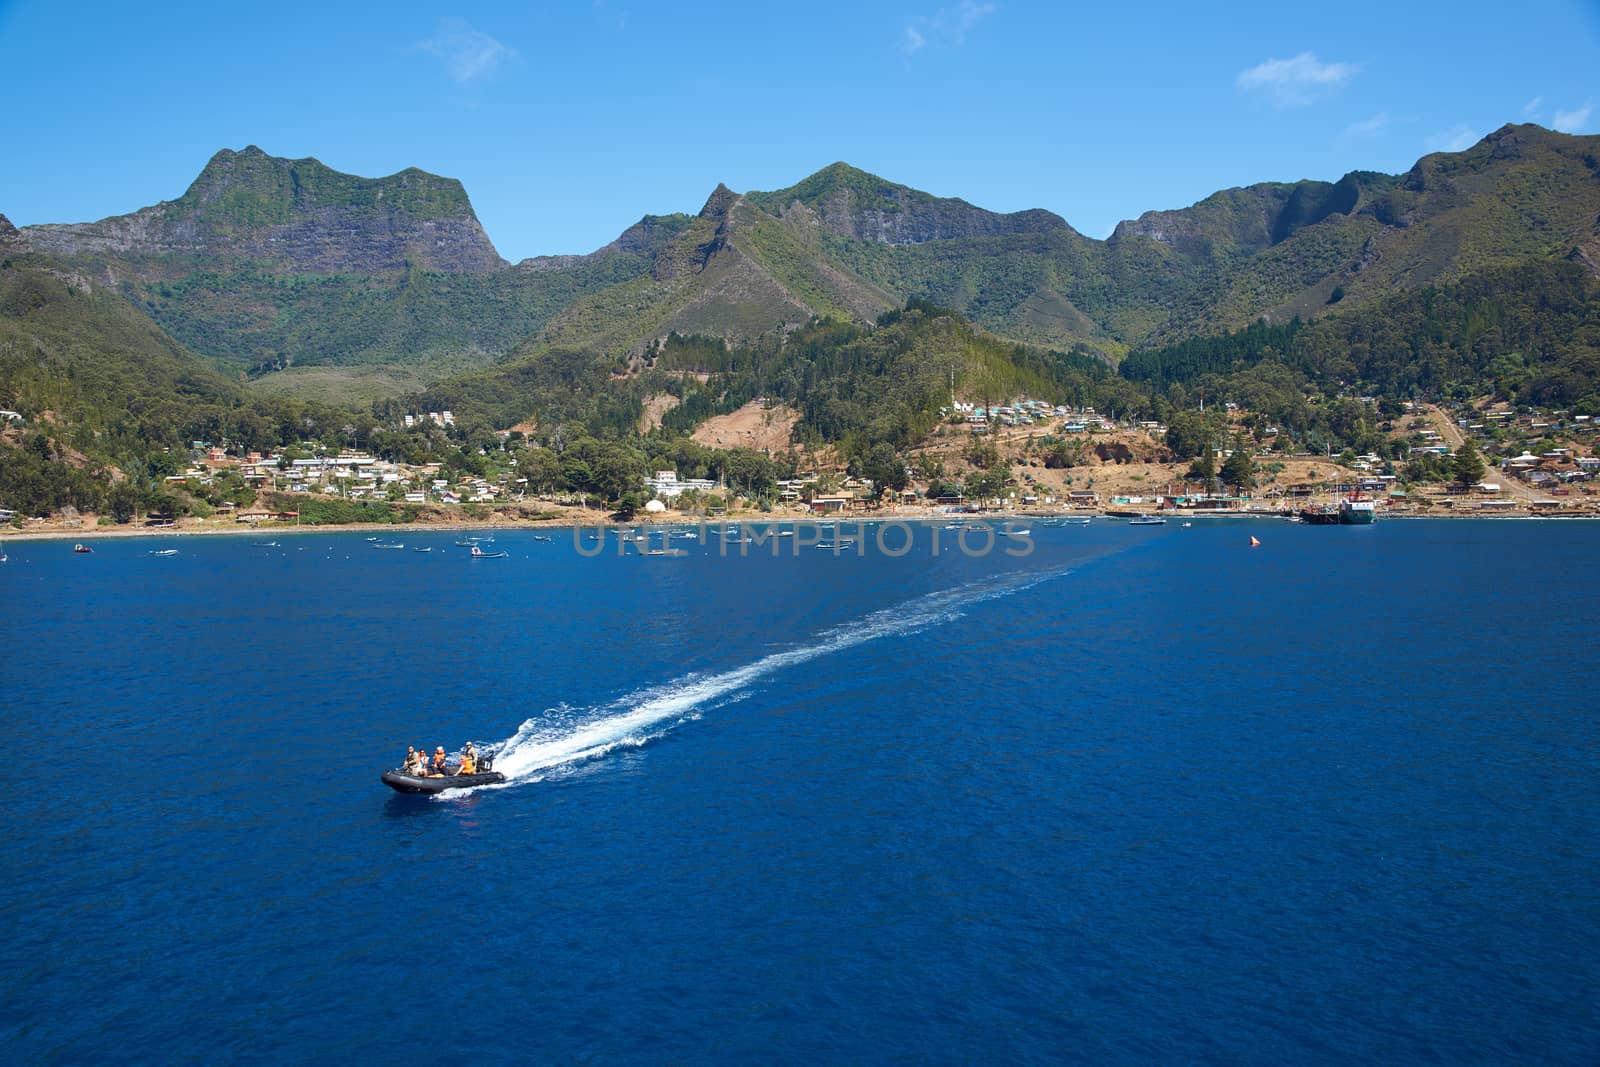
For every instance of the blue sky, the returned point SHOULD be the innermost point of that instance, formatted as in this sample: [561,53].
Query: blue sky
[568,121]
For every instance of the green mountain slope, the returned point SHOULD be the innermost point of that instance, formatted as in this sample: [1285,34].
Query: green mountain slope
[1275,249]
[269,267]
[1521,194]
[731,271]
[257,321]
[81,359]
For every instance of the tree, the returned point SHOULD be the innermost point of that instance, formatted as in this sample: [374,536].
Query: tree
[1189,434]
[748,471]
[1240,468]
[1063,455]
[617,469]
[629,504]
[1468,466]
[883,467]
[541,467]
[987,485]
[122,501]
[1204,468]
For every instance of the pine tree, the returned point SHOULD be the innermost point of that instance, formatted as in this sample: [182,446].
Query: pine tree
[1240,468]
[1468,466]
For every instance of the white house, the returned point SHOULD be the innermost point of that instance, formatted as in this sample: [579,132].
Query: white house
[667,484]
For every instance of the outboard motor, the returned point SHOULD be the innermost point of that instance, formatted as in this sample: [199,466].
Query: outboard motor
[485,762]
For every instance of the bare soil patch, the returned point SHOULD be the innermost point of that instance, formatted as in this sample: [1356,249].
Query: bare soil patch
[752,426]
[654,408]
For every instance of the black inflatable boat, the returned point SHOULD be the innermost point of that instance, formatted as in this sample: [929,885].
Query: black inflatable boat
[401,782]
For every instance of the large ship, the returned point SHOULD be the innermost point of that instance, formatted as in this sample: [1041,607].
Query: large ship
[1356,510]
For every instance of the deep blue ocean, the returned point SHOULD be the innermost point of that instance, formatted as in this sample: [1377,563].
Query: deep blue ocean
[1126,796]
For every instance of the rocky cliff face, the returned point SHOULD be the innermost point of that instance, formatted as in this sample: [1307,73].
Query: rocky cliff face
[1249,219]
[10,237]
[297,214]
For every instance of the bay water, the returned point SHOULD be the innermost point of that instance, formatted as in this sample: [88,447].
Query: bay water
[1099,793]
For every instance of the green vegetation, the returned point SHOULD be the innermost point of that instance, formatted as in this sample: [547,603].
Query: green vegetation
[106,395]
[241,191]
[1468,465]
[428,323]
[1239,469]
[1319,308]
[855,385]
[330,511]
[1530,334]
[841,244]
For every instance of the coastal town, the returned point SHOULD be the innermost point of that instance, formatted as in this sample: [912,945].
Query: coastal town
[1023,457]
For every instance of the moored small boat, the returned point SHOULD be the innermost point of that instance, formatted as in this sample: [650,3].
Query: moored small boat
[83,549]
[478,553]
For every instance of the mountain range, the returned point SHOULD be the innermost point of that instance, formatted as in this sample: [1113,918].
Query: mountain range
[299,277]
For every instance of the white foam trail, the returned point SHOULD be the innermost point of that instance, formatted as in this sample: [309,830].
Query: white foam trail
[564,735]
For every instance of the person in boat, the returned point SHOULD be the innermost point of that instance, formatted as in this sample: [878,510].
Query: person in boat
[413,762]
[438,770]
[469,760]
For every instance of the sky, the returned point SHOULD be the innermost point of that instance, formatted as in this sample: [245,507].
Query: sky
[568,121]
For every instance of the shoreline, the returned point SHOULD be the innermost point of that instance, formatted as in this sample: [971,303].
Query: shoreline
[569,522]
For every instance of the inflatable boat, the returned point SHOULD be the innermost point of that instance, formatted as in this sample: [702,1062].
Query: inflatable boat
[401,782]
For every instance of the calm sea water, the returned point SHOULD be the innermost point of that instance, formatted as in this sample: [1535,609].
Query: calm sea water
[1137,796]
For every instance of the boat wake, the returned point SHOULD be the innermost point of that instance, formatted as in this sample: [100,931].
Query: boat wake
[564,735]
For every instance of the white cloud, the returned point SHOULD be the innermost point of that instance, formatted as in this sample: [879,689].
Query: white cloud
[467,54]
[1572,121]
[1296,82]
[1532,106]
[1457,138]
[948,25]
[1368,127]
